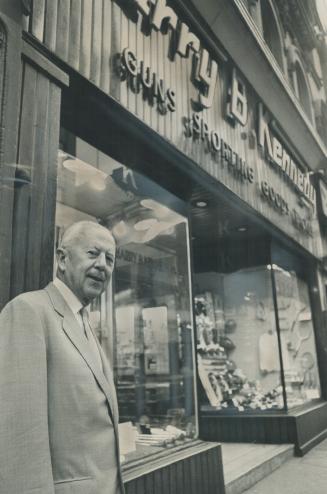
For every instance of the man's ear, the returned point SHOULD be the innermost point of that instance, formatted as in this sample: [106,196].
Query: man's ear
[61,259]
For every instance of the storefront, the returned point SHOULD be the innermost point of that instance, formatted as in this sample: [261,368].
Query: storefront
[257,354]
[129,116]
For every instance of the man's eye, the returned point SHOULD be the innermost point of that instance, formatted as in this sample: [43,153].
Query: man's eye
[92,252]
[109,259]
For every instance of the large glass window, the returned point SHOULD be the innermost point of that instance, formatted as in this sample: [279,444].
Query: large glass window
[271,31]
[302,89]
[239,364]
[144,320]
[255,334]
[295,322]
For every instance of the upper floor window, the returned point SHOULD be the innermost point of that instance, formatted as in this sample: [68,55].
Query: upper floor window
[272,31]
[299,80]
[303,91]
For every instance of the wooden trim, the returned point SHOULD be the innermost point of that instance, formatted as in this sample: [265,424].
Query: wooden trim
[33,218]
[149,466]
[305,448]
[201,470]
[304,427]
[42,63]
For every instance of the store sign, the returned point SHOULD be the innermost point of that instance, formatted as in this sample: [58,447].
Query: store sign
[185,44]
[280,204]
[141,79]
[133,257]
[156,265]
[237,108]
[277,155]
[274,198]
[197,128]
[157,15]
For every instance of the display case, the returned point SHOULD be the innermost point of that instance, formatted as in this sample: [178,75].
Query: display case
[237,342]
[144,320]
[295,323]
[255,341]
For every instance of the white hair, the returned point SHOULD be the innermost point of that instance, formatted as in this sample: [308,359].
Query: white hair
[79,229]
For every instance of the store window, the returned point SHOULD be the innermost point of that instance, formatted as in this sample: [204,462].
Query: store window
[295,322]
[299,80]
[238,355]
[144,320]
[255,334]
[302,89]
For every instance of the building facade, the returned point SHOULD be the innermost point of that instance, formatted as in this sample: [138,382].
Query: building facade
[196,131]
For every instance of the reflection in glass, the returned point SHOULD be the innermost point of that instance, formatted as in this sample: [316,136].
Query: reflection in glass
[143,321]
[297,338]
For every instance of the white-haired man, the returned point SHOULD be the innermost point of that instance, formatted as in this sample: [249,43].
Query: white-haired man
[58,408]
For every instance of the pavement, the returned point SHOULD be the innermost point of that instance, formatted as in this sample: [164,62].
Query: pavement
[245,463]
[306,475]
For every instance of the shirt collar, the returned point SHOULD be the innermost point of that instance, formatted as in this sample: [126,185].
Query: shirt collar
[72,301]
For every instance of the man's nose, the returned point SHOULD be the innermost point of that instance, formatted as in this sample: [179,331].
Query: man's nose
[101,261]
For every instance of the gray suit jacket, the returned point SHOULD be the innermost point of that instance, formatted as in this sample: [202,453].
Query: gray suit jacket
[58,410]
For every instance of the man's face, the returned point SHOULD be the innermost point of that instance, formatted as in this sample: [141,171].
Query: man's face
[87,265]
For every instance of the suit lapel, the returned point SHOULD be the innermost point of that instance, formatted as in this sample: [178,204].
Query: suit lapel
[109,376]
[75,335]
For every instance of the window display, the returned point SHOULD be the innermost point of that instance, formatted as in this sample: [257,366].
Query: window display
[241,347]
[238,355]
[297,338]
[144,320]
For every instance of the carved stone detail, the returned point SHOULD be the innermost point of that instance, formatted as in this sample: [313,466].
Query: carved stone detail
[299,17]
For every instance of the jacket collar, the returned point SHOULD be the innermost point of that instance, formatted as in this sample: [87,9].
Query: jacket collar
[74,333]
[70,298]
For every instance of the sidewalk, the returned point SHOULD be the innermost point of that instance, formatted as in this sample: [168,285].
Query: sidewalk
[245,464]
[307,475]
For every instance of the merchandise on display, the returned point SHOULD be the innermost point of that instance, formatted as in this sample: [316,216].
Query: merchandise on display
[225,384]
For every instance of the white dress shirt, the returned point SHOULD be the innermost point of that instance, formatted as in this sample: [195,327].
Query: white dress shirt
[75,306]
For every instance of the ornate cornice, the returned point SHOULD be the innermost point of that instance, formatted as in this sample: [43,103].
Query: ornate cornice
[301,19]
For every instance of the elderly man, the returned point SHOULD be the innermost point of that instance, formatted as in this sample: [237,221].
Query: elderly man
[58,409]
